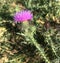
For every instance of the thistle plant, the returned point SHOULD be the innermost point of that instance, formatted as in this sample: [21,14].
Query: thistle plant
[24,17]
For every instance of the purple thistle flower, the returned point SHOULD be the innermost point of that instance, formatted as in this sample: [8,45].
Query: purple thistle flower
[23,15]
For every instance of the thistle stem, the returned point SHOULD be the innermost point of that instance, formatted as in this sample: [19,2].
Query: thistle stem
[40,49]
[38,46]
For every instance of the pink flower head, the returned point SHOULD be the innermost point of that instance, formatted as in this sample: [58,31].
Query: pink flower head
[23,15]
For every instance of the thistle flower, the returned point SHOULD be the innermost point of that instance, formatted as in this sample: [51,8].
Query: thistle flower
[24,15]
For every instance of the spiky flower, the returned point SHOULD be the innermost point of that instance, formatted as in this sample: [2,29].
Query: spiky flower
[24,15]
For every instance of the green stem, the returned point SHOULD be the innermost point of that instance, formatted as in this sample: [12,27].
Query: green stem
[38,46]
[30,34]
